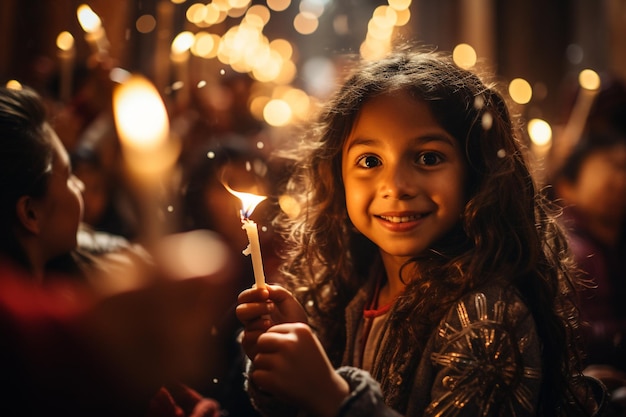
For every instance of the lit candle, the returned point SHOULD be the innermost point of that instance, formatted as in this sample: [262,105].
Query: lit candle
[143,127]
[249,203]
[66,53]
[589,83]
[94,32]
[180,60]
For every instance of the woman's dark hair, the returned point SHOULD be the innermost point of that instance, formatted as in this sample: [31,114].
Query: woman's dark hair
[25,157]
[605,128]
[507,231]
[589,143]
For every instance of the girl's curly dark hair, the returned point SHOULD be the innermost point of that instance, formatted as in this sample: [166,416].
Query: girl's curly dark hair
[508,232]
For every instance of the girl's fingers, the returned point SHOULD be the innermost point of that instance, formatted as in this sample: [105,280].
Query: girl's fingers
[254,294]
[251,311]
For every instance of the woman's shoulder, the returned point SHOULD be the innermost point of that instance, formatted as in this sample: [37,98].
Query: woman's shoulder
[110,262]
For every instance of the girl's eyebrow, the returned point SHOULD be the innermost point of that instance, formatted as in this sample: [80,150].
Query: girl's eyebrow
[363,142]
[420,140]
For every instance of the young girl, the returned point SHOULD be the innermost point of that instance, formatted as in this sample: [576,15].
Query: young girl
[423,257]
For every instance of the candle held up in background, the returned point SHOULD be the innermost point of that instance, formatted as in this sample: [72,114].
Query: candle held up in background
[589,86]
[94,31]
[179,56]
[149,152]
[66,54]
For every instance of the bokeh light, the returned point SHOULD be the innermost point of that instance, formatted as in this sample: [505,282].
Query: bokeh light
[145,23]
[277,112]
[589,79]
[540,132]
[520,90]
[65,41]
[464,55]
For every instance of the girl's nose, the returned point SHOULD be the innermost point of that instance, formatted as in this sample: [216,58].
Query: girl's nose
[399,182]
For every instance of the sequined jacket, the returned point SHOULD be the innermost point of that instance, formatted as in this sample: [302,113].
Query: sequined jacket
[483,359]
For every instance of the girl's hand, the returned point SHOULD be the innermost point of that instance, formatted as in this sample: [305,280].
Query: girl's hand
[260,308]
[291,364]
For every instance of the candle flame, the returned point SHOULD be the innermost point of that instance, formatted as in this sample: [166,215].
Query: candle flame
[140,114]
[65,41]
[88,19]
[248,201]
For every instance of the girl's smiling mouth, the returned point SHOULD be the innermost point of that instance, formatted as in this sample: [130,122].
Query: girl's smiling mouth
[401,219]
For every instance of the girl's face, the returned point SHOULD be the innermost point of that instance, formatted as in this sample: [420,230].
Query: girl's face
[404,176]
[61,209]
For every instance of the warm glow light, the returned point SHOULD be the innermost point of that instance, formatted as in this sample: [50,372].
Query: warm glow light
[238,4]
[540,132]
[182,42]
[305,23]
[464,55]
[196,13]
[65,41]
[140,115]
[278,5]
[88,19]
[589,79]
[400,4]
[520,91]
[298,101]
[214,15]
[283,47]
[260,11]
[254,21]
[374,48]
[404,15]
[385,16]
[277,112]
[270,69]
[287,73]
[257,105]
[379,29]
[205,45]
[236,13]
[221,4]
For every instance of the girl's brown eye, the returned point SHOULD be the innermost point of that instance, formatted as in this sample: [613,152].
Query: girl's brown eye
[369,161]
[428,158]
